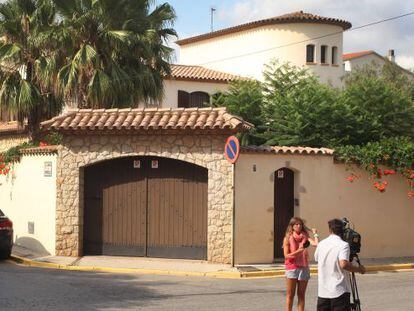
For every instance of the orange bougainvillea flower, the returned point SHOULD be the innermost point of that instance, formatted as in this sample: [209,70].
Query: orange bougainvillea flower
[410,194]
[351,178]
[4,168]
[43,144]
[389,172]
[381,186]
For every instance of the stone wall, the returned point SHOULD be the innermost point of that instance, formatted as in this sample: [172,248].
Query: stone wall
[8,141]
[77,152]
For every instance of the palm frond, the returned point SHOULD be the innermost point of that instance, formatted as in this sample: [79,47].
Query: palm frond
[8,51]
[85,56]
[99,89]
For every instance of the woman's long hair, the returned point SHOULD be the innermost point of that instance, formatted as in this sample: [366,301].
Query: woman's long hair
[294,220]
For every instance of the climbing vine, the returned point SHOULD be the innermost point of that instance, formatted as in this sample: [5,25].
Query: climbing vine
[13,154]
[381,159]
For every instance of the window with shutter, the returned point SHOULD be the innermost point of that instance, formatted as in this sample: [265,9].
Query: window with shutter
[324,54]
[183,99]
[310,53]
[334,55]
[193,100]
[199,99]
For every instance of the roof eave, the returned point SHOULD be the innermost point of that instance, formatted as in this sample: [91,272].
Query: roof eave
[344,25]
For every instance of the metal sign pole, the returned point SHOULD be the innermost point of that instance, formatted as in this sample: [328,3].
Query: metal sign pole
[233,229]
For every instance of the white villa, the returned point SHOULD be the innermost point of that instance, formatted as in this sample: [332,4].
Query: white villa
[302,39]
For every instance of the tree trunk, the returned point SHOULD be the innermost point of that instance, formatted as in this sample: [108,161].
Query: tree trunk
[34,124]
[33,120]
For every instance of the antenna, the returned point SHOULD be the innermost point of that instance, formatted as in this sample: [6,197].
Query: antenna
[212,10]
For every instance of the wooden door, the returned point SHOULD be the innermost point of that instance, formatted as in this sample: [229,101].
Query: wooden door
[177,209]
[146,206]
[115,218]
[283,203]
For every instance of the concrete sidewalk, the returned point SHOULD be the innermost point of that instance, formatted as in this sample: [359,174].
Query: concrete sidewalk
[182,267]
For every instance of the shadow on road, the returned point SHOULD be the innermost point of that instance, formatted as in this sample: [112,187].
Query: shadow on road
[47,289]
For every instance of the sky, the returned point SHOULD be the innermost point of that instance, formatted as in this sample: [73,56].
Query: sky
[193,18]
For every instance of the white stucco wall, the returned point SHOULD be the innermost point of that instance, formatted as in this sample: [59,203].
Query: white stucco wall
[363,61]
[323,193]
[171,88]
[371,59]
[238,53]
[26,195]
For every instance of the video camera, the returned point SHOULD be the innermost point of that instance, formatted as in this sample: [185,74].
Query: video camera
[352,237]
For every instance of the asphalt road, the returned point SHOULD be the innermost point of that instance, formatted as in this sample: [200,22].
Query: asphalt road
[25,288]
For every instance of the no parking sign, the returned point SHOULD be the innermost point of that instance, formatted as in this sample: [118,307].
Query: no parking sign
[232,149]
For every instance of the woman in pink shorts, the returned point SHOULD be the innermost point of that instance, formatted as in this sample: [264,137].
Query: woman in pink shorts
[296,261]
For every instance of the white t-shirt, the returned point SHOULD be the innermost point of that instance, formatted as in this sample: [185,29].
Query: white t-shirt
[333,281]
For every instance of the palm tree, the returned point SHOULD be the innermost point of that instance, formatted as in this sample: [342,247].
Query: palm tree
[29,60]
[117,55]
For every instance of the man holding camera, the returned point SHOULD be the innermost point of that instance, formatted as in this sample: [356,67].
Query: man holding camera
[333,257]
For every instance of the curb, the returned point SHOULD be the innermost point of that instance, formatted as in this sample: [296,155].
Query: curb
[371,269]
[271,273]
[39,264]
[215,274]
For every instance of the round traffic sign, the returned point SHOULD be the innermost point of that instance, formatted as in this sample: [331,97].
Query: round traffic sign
[232,149]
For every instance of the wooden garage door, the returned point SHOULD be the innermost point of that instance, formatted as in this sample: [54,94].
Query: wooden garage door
[146,206]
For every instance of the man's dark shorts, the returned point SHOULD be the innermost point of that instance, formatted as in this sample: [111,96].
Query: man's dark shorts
[342,303]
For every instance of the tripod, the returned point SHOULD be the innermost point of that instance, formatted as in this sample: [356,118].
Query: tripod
[355,302]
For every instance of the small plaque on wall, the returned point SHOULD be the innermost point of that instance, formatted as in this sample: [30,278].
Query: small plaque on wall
[280,174]
[137,164]
[154,164]
[47,169]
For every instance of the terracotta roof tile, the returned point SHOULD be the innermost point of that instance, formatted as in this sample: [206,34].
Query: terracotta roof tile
[198,73]
[295,17]
[39,150]
[288,150]
[349,56]
[12,127]
[146,119]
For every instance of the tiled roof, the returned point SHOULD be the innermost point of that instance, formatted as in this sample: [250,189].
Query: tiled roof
[349,56]
[295,17]
[11,128]
[39,150]
[146,119]
[198,73]
[288,150]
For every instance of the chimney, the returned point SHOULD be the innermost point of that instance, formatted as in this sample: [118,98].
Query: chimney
[391,56]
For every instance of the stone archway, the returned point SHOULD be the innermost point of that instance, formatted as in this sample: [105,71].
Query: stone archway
[193,135]
[77,152]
